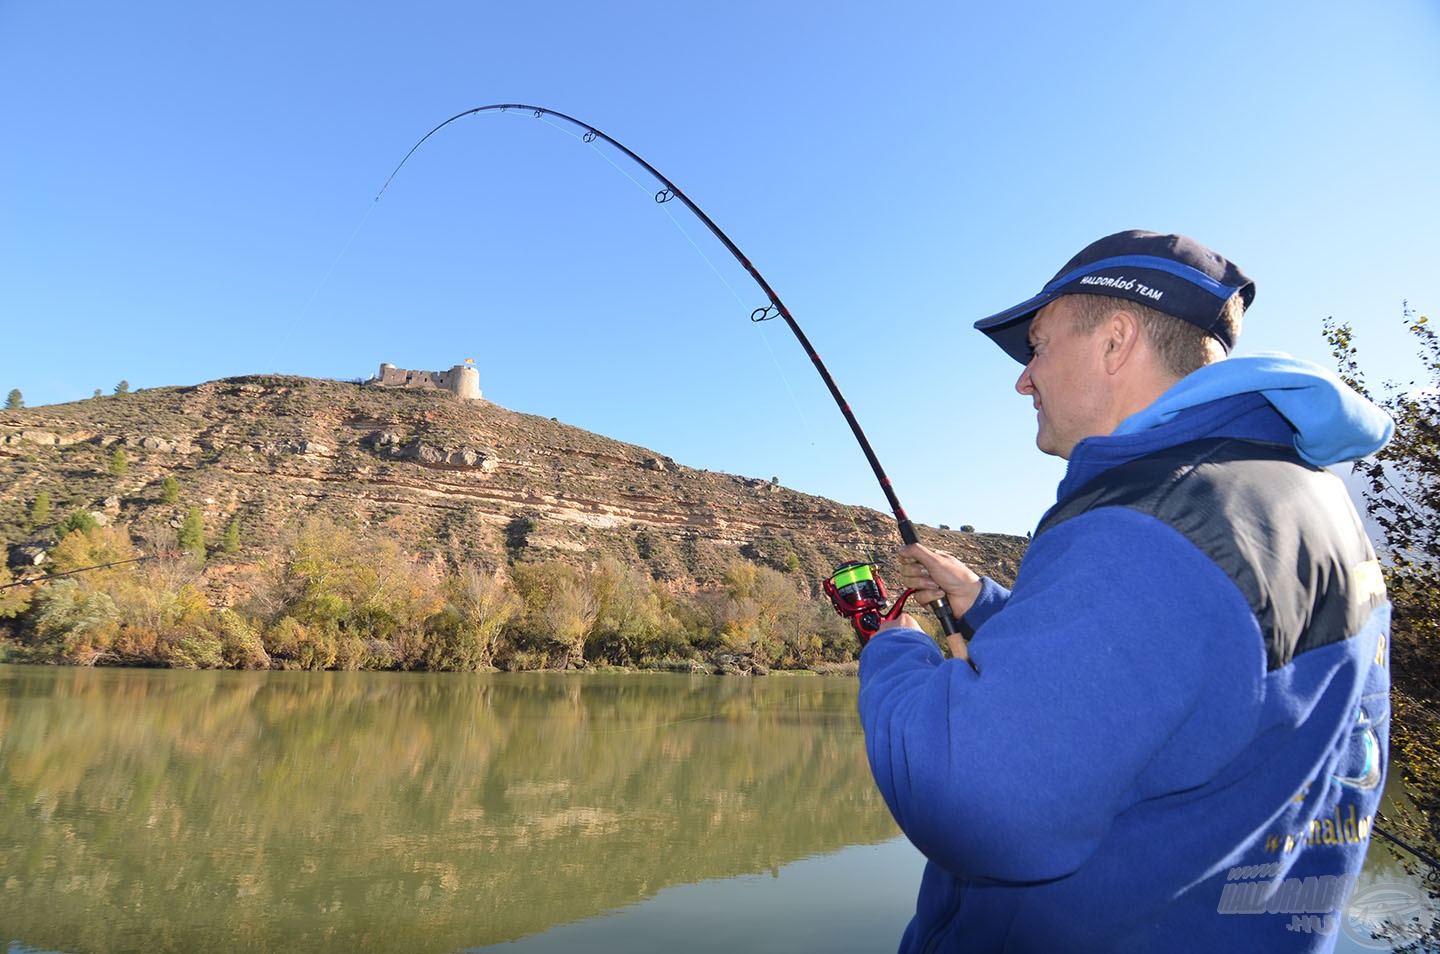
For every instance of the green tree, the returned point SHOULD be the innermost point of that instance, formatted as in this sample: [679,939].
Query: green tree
[517,533]
[192,534]
[119,465]
[97,392]
[82,520]
[230,542]
[163,617]
[40,509]
[1402,492]
[631,623]
[1402,495]
[170,490]
[15,400]
[123,387]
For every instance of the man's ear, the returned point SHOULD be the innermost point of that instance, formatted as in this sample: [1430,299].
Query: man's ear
[1121,332]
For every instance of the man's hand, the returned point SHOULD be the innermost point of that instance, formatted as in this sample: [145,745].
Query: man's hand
[903,621]
[934,573]
[955,641]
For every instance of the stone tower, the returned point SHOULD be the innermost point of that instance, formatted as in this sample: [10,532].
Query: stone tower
[464,380]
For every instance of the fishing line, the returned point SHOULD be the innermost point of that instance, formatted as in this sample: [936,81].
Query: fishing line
[680,227]
[343,250]
[309,304]
[664,204]
[795,404]
[662,200]
[764,338]
[664,207]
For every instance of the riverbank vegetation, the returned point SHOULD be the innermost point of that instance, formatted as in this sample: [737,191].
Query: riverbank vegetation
[334,597]
[1402,496]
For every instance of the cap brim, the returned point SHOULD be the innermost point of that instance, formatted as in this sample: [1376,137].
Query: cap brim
[1010,329]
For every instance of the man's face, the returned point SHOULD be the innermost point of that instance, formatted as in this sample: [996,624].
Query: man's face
[1066,379]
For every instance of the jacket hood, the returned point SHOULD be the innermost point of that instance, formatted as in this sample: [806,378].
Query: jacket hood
[1333,423]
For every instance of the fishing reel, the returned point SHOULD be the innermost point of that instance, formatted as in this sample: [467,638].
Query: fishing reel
[857,593]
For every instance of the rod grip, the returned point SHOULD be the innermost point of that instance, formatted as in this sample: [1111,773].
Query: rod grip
[948,622]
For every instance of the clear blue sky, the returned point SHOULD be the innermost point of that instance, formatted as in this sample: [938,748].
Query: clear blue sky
[188,195]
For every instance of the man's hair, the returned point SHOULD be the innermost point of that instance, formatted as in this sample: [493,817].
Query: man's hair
[1180,346]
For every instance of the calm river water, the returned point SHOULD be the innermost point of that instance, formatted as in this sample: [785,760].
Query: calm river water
[160,811]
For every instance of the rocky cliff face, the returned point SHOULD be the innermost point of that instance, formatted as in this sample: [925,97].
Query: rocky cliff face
[466,479]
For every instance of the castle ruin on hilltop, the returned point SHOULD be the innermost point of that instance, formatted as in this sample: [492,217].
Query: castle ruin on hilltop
[462,379]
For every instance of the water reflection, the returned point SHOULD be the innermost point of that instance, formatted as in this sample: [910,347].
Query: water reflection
[174,811]
[852,902]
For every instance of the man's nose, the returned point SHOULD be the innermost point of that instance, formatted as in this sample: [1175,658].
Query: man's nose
[1025,385]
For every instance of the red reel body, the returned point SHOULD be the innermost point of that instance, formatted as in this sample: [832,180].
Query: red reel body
[857,593]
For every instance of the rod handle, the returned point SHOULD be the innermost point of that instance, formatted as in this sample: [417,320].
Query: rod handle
[948,622]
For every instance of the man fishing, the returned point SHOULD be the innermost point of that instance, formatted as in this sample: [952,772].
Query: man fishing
[1171,735]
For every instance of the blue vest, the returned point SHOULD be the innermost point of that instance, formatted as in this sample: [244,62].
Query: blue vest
[1285,531]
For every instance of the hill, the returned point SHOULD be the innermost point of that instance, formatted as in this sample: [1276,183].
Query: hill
[470,479]
[451,482]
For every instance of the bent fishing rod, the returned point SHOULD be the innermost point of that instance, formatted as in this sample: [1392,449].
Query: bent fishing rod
[84,569]
[853,578]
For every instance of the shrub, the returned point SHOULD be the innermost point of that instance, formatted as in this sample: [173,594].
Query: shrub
[69,624]
[14,600]
[466,634]
[240,642]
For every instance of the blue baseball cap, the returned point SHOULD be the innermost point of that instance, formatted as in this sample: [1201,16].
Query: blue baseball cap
[1170,273]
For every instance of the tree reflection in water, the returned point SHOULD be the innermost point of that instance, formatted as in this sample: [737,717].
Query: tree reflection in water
[190,811]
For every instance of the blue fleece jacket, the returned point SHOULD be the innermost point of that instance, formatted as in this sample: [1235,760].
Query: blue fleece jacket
[1120,771]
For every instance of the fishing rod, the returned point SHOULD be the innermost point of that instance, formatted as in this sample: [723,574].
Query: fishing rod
[84,569]
[854,589]
[1434,874]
